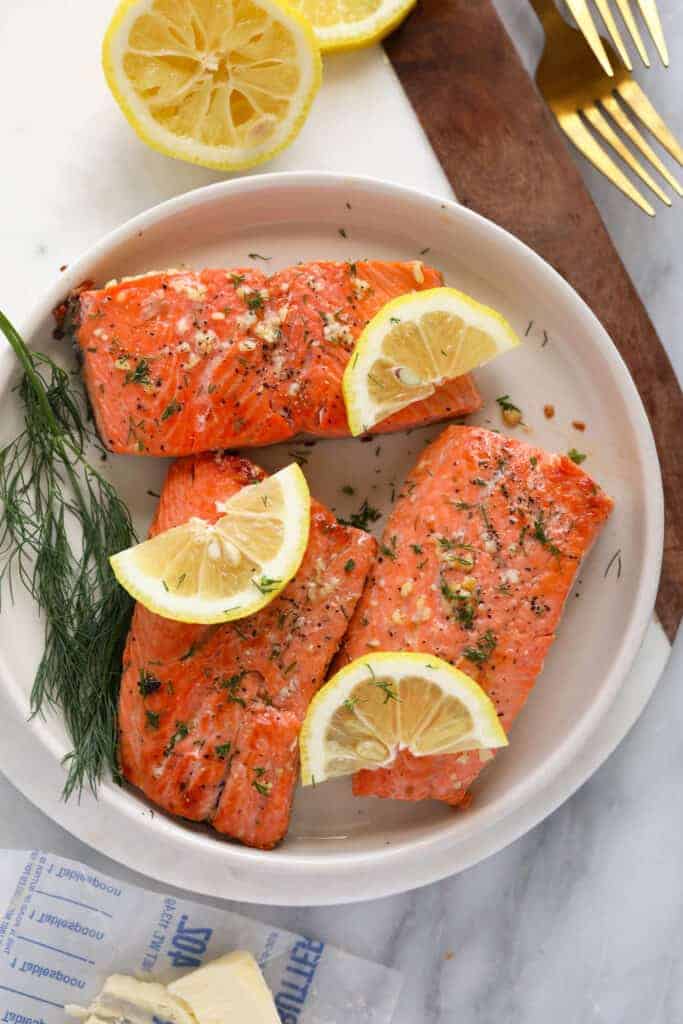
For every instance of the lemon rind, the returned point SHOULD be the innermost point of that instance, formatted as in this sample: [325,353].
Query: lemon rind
[178,609]
[401,663]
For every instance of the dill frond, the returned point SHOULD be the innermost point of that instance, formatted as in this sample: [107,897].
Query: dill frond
[61,522]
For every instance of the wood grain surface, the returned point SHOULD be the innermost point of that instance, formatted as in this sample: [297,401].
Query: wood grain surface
[506,158]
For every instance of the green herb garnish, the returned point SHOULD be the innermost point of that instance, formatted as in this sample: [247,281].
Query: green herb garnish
[181,731]
[61,522]
[266,585]
[222,750]
[576,456]
[147,683]
[483,649]
[350,565]
[362,519]
[506,405]
[385,686]
[255,301]
[172,408]
[152,718]
[542,537]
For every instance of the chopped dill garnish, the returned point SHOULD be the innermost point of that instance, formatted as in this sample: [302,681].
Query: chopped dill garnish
[416,548]
[483,649]
[342,232]
[362,519]
[152,719]
[61,520]
[389,550]
[237,280]
[181,731]
[222,750]
[266,585]
[506,405]
[255,301]
[464,604]
[542,537]
[147,683]
[350,703]
[385,686]
[576,456]
[190,652]
[172,408]
[258,256]
[140,375]
[348,489]
[261,787]
[350,565]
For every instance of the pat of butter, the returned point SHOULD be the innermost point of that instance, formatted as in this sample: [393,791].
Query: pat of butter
[228,990]
[129,1001]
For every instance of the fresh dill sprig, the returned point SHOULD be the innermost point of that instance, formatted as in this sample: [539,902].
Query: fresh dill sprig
[61,520]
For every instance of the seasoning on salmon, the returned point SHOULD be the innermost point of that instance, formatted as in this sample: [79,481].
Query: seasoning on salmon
[209,716]
[478,557]
[180,362]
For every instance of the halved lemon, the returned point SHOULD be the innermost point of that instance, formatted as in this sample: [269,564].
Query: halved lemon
[415,343]
[215,572]
[223,83]
[387,701]
[350,24]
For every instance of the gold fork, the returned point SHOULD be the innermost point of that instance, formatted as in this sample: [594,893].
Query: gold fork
[648,9]
[579,94]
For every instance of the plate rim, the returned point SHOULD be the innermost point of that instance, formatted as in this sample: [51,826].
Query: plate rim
[243,859]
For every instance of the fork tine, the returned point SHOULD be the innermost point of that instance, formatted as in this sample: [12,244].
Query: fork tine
[574,127]
[628,128]
[648,9]
[638,102]
[609,135]
[611,25]
[630,22]
[584,19]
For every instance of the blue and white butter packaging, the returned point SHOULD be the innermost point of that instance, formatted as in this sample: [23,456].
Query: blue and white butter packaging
[65,928]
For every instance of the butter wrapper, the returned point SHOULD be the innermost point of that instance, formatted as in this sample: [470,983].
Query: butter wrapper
[65,928]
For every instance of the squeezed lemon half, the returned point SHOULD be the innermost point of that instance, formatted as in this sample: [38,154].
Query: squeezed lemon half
[223,83]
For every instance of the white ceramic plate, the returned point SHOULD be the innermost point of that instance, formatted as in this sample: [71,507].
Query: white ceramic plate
[340,848]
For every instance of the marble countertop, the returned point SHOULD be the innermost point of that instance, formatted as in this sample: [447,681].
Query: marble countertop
[579,920]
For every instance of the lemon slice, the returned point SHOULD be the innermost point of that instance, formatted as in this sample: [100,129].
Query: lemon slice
[388,701]
[215,572]
[415,343]
[223,83]
[350,24]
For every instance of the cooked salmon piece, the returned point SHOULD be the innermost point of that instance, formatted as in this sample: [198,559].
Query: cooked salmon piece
[182,362]
[477,559]
[209,716]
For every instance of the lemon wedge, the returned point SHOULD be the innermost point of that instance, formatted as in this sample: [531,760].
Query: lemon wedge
[222,83]
[387,701]
[415,343]
[215,572]
[350,24]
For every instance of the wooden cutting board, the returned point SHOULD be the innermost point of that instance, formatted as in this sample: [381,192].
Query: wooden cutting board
[506,158]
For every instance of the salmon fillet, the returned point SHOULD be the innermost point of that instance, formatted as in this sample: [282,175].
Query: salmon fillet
[209,716]
[478,557]
[182,362]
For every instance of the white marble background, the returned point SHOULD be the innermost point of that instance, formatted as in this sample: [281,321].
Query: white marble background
[580,920]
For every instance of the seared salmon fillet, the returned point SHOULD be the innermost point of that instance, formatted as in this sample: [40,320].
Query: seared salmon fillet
[182,362]
[209,716]
[477,560]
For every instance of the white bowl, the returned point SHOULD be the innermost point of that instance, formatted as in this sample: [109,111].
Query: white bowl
[340,848]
